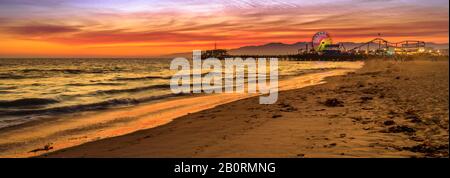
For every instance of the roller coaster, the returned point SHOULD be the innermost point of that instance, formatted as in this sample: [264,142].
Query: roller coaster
[385,47]
[322,43]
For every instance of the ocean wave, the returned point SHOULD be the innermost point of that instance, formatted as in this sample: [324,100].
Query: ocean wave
[154,77]
[11,76]
[138,78]
[68,71]
[8,88]
[94,84]
[71,71]
[85,107]
[27,102]
[132,90]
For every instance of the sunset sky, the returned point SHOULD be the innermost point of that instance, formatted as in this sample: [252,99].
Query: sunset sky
[64,28]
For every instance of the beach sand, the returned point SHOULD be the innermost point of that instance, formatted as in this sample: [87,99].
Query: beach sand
[385,109]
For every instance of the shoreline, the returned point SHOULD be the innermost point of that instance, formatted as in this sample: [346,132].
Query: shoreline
[385,109]
[93,126]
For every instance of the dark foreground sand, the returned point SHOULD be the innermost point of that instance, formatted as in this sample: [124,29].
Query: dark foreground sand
[386,109]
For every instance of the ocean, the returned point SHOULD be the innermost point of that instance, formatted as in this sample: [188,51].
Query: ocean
[32,89]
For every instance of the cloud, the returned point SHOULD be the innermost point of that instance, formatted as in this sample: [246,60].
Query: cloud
[32,30]
[119,36]
[174,23]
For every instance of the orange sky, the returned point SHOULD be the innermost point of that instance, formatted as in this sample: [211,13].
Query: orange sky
[84,28]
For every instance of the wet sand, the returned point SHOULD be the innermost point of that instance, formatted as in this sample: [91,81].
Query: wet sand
[385,109]
[69,131]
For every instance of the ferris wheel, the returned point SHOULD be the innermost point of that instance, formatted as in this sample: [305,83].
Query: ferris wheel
[321,40]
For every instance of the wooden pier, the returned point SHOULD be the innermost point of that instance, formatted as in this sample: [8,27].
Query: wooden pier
[305,57]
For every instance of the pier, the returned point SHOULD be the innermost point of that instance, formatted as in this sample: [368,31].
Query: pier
[377,47]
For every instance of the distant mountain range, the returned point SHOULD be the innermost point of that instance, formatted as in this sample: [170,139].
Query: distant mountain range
[282,48]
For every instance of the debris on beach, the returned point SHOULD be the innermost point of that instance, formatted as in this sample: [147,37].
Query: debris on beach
[287,108]
[412,116]
[389,122]
[47,147]
[429,149]
[333,102]
[401,129]
[330,145]
[366,99]
[276,116]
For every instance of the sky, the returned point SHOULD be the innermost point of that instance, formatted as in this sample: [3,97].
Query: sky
[113,28]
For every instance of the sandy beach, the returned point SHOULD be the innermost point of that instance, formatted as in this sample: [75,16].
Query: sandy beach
[385,109]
